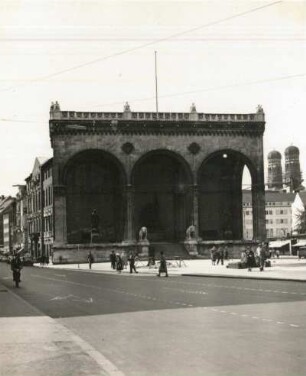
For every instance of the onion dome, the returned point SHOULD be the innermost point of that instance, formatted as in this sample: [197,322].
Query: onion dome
[274,154]
[292,150]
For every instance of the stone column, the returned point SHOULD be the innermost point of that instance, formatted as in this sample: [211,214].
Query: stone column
[195,209]
[259,213]
[60,215]
[129,237]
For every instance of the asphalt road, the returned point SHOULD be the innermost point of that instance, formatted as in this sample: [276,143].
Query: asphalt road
[147,325]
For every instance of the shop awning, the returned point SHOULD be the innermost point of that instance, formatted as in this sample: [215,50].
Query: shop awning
[278,243]
[300,243]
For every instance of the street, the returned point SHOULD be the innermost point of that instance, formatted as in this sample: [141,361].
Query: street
[145,325]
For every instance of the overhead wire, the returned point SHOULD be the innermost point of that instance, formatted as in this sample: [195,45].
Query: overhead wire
[123,52]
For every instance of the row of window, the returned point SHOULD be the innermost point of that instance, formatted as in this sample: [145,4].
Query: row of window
[35,225]
[279,232]
[269,204]
[270,212]
[34,202]
[48,196]
[48,222]
[47,173]
[277,221]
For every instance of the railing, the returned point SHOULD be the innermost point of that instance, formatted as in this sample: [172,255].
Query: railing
[164,116]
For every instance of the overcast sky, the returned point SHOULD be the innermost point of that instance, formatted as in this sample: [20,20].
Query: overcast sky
[91,55]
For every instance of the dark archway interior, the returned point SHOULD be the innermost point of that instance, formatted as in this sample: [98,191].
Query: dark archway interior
[220,197]
[162,198]
[94,181]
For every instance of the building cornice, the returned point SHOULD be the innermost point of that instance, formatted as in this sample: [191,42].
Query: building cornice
[169,123]
[131,127]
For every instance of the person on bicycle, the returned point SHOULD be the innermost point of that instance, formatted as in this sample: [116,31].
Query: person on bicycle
[16,266]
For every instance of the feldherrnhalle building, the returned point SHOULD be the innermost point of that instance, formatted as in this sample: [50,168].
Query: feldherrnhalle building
[163,171]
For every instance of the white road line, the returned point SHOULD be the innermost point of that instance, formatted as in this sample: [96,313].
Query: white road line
[102,361]
[294,325]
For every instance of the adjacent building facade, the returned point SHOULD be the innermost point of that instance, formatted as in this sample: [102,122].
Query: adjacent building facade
[8,223]
[39,195]
[278,209]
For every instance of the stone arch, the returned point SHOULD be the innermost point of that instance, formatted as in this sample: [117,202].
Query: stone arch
[162,182]
[94,179]
[219,180]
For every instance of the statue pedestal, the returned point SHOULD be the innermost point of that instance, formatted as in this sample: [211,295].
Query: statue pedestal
[143,247]
[94,236]
[191,247]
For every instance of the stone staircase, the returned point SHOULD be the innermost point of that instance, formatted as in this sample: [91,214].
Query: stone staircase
[170,250]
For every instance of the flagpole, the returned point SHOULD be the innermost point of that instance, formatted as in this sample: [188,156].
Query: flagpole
[156,91]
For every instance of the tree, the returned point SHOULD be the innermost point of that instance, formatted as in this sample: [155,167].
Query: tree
[300,221]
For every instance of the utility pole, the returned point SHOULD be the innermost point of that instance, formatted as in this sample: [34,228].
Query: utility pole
[156,88]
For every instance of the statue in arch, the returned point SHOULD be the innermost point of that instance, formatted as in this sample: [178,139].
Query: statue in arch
[143,233]
[191,232]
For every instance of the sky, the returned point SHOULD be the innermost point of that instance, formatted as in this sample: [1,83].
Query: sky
[94,55]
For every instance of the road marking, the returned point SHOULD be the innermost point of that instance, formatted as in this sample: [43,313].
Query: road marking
[294,325]
[60,275]
[102,361]
[73,298]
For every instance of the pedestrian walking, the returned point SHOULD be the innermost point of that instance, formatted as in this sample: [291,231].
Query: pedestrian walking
[243,258]
[132,263]
[220,255]
[250,259]
[213,253]
[163,265]
[119,263]
[124,260]
[226,253]
[90,259]
[261,254]
[112,257]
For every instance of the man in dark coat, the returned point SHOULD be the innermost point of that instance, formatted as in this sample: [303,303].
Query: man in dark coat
[132,263]
[112,257]
[163,265]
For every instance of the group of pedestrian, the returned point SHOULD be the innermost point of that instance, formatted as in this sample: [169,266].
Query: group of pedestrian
[255,259]
[117,263]
[218,254]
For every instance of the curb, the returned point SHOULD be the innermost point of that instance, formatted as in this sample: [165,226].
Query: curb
[243,277]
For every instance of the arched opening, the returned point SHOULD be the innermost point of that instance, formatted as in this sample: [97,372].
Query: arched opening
[162,200]
[247,205]
[94,181]
[220,182]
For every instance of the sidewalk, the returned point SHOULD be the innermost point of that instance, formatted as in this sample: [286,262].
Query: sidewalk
[32,344]
[285,268]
